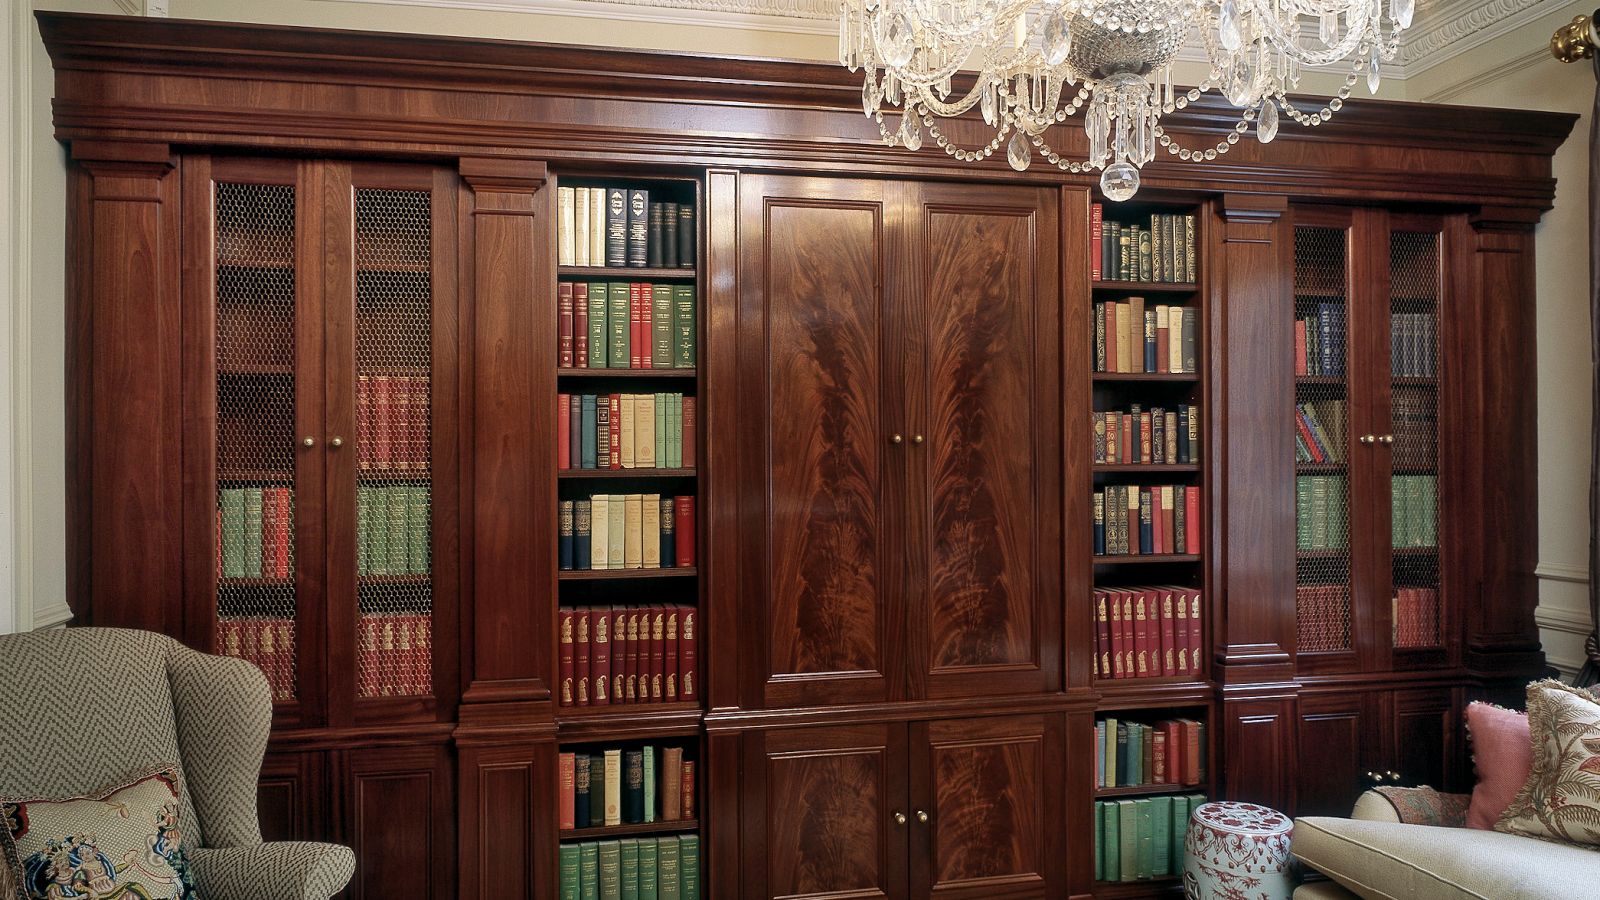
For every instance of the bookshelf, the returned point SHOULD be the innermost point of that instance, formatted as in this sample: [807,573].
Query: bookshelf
[627,406]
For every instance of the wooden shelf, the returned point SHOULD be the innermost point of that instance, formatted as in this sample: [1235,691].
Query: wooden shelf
[1164,692]
[1136,558]
[420,578]
[1180,378]
[370,475]
[224,262]
[1168,884]
[1153,468]
[627,722]
[420,267]
[1148,790]
[1154,287]
[625,373]
[623,273]
[608,832]
[1313,468]
[624,574]
[581,474]
[254,475]
[255,582]
[1319,379]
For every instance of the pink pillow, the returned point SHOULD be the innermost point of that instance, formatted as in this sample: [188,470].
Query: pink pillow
[1502,750]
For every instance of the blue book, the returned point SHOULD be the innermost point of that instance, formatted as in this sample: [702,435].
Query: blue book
[565,533]
[587,458]
[1149,340]
[580,789]
[582,533]
[1099,523]
[1147,532]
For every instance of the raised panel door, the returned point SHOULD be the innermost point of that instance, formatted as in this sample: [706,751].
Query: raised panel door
[1337,737]
[1426,723]
[399,817]
[984,448]
[826,814]
[986,793]
[291,797]
[816,454]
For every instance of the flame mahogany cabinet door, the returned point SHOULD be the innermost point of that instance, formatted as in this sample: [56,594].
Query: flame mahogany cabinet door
[984,399]
[821,476]
[987,795]
[825,812]
[1340,741]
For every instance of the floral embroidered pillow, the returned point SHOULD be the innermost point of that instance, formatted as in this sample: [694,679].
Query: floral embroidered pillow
[117,844]
[1561,799]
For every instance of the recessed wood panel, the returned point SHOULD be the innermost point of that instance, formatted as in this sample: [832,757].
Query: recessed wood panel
[1336,737]
[1425,746]
[290,797]
[399,818]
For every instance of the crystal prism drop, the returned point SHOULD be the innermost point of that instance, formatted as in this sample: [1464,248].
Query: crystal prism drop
[986,104]
[910,131]
[1267,125]
[901,41]
[1402,11]
[870,97]
[1373,74]
[1328,28]
[1057,38]
[1119,181]
[1017,152]
[1228,26]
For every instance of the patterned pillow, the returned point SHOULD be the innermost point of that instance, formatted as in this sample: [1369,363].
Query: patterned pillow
[1561,799]
[116,844]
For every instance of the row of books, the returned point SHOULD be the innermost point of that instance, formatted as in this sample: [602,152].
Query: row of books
[649,868]
[1147,632]
[1137,436]
[1412,338]
[1150,520]
[1416,617]
[627,531]
[1319,431]
[625,325]
[394,655]
[1413,502]
[1322,613]
[1142,839]
[625,431]
[1319,341]
[1321,512]
[265,642]
[1128,337]
[627,654]
[620,227]
[1136,754]
[1160,249]
[393,413]
[254,527]
[617,786]
[392,533]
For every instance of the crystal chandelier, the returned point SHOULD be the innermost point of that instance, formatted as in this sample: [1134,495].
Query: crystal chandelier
[1117,54]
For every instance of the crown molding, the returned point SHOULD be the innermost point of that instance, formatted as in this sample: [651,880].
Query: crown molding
[1461,26]
[808,17]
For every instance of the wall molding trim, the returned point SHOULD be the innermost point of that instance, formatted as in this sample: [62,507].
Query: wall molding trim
[1461,26]
[1562,572]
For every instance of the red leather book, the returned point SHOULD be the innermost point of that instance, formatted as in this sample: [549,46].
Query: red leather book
[1163,344]
[631,685]
[580,324]
[686,802]
[658,651]
[1158,525]
[1300,367]
[1191,522]
[364,405]
[565,322]
[563,431]
[669,663]
[1306,438]
[1102,621]
[614,459]
[421,419]
[408,678]
[381,412]
[1158,756]
[671,777]
[1143,607]
[564,626]
[600,656]
[280,542]
[688,655]
[388,677]
[1130,667]
[1196,630]
[619,654]
[366,661]
[401,454]
[286,649]
[638,340]
[564,770]
[1172,737]
[1180,633]
[1145,437]
[580,655]
[1130,447]
[1114,601]
[423,635]
[1167,618]
[688,432]
[683,534]
[1192,773]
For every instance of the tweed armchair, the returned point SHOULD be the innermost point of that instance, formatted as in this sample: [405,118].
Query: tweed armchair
[81,708]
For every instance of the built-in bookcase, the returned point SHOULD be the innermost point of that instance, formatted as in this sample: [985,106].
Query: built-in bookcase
[1150,508]
[629,438]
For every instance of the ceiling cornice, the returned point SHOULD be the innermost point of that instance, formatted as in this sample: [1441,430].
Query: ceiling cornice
[1454,27]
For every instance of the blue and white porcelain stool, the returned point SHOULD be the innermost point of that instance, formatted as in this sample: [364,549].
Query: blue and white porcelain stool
[1237,851]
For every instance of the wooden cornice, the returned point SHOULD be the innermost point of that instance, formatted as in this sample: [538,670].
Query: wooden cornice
[747,112]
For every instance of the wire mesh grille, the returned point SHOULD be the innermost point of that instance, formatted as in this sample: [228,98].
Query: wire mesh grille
[255,523]
[394,499]
[1322,519]
[1413,364]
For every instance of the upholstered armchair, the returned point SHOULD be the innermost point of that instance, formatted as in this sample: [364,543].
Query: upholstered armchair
[82,708]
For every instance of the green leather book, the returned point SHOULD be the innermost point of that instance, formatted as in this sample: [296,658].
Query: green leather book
[417,543]
[1143,813]
[1111,835]
[610,870]
[649,876]
[1135,753]
[1320,514]
[669,857]
[649,784]
[399,514]
[675,430]
[1161,824]
[232,532]
[658,411]
[1303,512]
[1428,510]
[569,872]
[363,530]
[252,532]
[598,298]
[618,307]
[597,790]
[684,330]
[1338,512]
[630,869]
[589,871]
[1099,842]
[689,866]
[1180,829]
[661,322]
[1128,839]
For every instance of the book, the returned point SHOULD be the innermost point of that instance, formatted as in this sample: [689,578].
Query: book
[629,851]
[688,655]
[582,778]
[653,241]
[661,326]
[565,241]
[568,865]
[684,532]
[638,340]
[582,534]
[613,791]
[671,783]
[686,433]
[1096,239]
[617,531]
[651,808]
[618,311]
[610,854]
[669,663]
[1111,831]
[598,232]
[669,874]
[583,211]
[580,324]
[565,539]
[668,533]
[565,323]
[684,328]
[649,869]
[633,786]
[616,228]
[669,241]
[686,235]
[638,227]
[689,866]
[598,293]
[633,521]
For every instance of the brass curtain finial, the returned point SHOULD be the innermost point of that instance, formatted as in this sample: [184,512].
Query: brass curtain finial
[1576,40]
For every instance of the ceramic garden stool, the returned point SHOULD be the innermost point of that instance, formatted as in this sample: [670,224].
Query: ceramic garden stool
[1237,851]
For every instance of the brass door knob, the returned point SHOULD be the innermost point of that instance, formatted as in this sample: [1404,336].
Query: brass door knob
[1386,439]
[896,439]
[922,816]
[336,442]
[899,818]
[916,439]
[309,441]
[1395,777]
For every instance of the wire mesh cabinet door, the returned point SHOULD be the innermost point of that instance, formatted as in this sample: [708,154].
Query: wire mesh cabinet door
[391,496]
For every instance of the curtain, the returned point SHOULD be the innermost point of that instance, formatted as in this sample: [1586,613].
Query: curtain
[1590,673]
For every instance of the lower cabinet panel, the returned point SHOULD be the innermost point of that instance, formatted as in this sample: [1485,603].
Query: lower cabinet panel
[399,815]
[1336,739]
[291,797]
[1427,722]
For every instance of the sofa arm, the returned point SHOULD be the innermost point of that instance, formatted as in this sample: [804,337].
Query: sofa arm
[1412,806]
[282,870]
